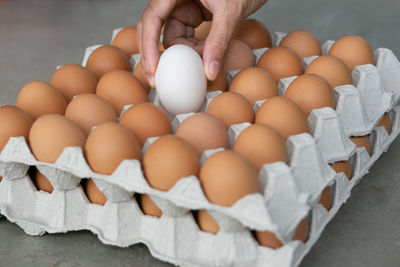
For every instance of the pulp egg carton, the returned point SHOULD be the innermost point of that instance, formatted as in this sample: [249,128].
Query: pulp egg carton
[289,191]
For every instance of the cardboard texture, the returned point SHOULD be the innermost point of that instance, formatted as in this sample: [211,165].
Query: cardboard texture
[289,191]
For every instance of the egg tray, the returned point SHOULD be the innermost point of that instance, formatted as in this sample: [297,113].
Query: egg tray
[292,192]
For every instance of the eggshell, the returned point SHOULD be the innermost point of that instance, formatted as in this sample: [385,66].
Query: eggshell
[121,88]
[203,131]
[221,83]
[385,122]
[149,207]
[253,33]
[326,198]
[281,62]
[72,80]
[94,194]
[107,58]
[310,91]
[108,145]
[261,144]
[302,231]
[343,166]
[139,73]
[202,31]
[146,120]
[42,183]
[284,115]
[332,69]
[353,50]
[14,122]
[227,176]
[238,56]
[304,43]
[206,222]
[127,40]
[254,83]
[38,98]
[231,108]
[169,159]
[362,141]
[51,133]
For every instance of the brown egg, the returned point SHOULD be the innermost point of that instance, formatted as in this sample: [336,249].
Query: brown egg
[254,84]
[201,32]
[311,91]
[149,207]
[362,141]
[51,133]
[107,58]
[206,222]
[169,159]
[72,80]
[238,56]
[121,88]
[108,145]
[261,144]
[304,43]
[1,178]
[284,115]
[342,166]
[139,73]
[353,50]
[253,33]
[231,108]
[94,194]
[14,122]
[38,98]
[127,40]
[42,183]
[146,120]
[88,110]
[161,47]
[221,83]
[326,198]
[281,62]
[227,176]
[332,69]
[385,122]
[203,131]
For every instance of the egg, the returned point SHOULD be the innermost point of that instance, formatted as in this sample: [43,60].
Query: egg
[385,122]
[127,40]
[51,133]
[332,69]
[281,62]
[261,144]
[253,33]
[362,141]
[202,31]
[14,122]
[221,83]
[180,80]
[203,131]
[206,222]
[326,198]
[231,108]
[146,120]
[353,50]
[42,183]
[310,91]
[254,84]
[227,176]
[88,110]
[149,207]
[72,80]
[94,194]
[284,115]
[169,159]
[139,73]
[120,88]
[238,56]
[38,98]
[107,58]
[342,166]
[304,43]
[108,145]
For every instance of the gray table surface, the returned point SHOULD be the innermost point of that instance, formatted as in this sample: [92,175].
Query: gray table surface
[36,36]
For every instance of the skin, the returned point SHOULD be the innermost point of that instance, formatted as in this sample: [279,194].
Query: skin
[181,17]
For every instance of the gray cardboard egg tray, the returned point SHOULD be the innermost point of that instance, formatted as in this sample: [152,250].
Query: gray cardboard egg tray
[289,191]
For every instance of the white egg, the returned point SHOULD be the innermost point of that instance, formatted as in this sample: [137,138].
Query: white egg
[180,81]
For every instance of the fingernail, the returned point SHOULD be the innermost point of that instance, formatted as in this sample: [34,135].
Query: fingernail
[212,70]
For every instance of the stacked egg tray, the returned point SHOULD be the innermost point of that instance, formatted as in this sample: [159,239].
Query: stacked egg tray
[289,191]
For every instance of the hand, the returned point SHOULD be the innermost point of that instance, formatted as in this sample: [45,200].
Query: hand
[181,18]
